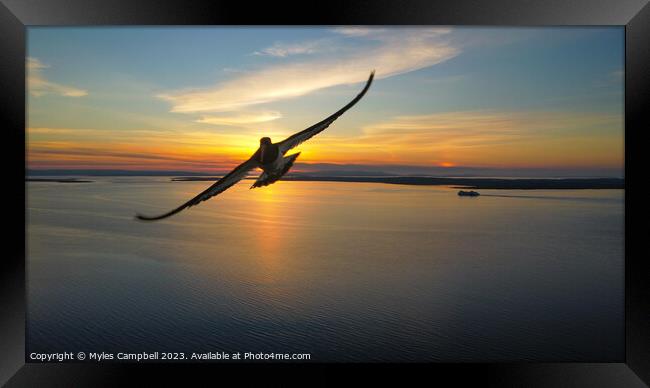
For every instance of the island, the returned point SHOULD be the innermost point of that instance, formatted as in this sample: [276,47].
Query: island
[57,180]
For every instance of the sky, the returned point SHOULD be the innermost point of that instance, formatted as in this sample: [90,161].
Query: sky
[199,99]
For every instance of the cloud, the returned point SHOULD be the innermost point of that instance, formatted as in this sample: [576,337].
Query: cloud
[34,63]
[615,78]
[38,85]
[287,49]
[136,149]
[241,118]
[357,31]
[485,128]
[389,52]
[480,138]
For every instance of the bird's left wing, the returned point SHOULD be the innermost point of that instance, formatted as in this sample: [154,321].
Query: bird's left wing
[297,138]
[219,186]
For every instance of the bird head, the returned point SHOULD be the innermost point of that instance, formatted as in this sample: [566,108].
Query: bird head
[265,141]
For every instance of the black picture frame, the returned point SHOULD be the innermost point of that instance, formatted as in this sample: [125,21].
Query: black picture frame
[16,15]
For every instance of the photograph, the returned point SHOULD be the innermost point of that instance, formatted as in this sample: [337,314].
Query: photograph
[325,194]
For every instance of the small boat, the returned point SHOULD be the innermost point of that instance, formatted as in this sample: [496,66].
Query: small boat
[468,193]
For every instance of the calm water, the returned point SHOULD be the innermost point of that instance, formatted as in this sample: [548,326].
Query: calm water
[344,271]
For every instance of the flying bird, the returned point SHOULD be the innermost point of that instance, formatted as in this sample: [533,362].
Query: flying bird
[270,157]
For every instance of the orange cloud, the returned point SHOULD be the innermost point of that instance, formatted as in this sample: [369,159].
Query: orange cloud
[475,138]
[481,138]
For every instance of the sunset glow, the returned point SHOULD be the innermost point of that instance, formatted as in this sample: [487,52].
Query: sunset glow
[440,98]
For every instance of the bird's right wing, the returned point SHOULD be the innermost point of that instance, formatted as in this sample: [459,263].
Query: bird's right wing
[297,138]
[218,187]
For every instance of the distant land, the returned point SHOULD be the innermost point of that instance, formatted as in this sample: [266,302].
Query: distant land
[333,170]
[35,173]
[478,178]
[330,169]
[58,180]
[465,183]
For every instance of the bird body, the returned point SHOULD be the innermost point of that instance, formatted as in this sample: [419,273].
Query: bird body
[270,157]
[275,170]
[269,152]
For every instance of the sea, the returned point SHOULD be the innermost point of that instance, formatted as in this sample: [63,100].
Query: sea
[343,272]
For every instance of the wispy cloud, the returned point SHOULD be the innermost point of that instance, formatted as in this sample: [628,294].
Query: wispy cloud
[136,149]
[389,52]
[358,31]
[38,85]
[481,138]
[241,118]
[286,49]
[615,78]
[484,128]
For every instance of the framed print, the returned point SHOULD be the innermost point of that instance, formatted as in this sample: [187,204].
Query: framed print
[387,189]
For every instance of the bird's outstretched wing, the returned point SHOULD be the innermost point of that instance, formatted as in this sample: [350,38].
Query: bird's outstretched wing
[295,139]
[219,186]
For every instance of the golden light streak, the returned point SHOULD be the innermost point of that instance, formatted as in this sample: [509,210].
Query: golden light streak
[477,138]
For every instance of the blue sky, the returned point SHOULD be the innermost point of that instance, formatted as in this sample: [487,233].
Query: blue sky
[490,97]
